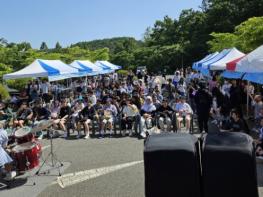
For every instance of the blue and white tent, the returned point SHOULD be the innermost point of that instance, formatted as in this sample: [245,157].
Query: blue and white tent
[230,56]
[87,68]
[254,77]
[107,65]
[222,54]
[53,69]
[208,57]
[232,75]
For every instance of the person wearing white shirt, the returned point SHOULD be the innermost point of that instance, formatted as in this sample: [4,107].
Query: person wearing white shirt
[129,111]
[147,110]
[181,87]
[123,88]
[92,98]
[183,110]
[44,87]
[226,88]
[176,78]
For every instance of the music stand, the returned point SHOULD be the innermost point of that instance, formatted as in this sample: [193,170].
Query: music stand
[52,156]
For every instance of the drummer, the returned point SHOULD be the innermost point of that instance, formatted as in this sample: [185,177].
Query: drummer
[5,159]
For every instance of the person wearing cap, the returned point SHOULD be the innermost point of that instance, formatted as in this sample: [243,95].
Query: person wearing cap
[147,111]
[183,110]
[109,112]
[165,115]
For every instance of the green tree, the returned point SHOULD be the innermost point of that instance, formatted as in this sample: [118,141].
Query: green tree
[4,69]
[222,41]
[58,46]
[247,36]
[43,46]
[250,34]
[224,15]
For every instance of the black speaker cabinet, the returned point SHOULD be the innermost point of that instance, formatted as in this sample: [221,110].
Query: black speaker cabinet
[228,165]
[172,165]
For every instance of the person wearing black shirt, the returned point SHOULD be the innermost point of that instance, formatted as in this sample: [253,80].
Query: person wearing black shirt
[237,124]
[64,113]
[86,115]
[203,101]
[235,97]
[47,97]
[40,112]
[165,115]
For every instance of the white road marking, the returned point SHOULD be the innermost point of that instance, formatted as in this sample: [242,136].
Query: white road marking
[45,147]
[77,177]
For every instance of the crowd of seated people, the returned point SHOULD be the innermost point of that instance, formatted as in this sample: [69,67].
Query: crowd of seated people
[109,105]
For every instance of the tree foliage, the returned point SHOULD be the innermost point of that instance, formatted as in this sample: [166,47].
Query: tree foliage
[168,44]
[58,46]
[43,46]
[247,36]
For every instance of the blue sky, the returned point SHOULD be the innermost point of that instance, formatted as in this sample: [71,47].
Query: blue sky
[71,21]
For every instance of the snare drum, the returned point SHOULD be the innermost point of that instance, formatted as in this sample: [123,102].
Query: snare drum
[24,135]
[27,155]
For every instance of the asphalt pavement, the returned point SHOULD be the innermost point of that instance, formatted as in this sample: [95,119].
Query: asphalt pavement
[97,153]
[101,162]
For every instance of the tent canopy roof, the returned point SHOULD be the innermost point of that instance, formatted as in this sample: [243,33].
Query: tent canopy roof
[216,58]
[252,62]
[231,66]
[107,65]
[206,58]
[230,56]
[44,68]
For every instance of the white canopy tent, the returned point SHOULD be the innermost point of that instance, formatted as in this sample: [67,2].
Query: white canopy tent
[230,56]
[252,62]
[208,57]
[87,68]
[53,69]
[219,56]
[107,65]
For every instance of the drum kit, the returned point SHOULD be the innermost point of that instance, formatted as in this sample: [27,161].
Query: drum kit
[26,150]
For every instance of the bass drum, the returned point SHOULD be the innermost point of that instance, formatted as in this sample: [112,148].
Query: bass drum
[27,155]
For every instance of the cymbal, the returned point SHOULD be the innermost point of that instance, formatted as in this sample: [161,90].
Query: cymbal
[42,125]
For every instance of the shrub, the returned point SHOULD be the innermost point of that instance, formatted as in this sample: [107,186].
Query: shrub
[4,93]
[17,84]
[123,72]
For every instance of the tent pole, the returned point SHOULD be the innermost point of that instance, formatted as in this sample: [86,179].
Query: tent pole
[248,84]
